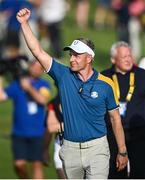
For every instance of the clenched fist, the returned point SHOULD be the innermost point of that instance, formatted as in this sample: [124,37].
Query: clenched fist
[23,15]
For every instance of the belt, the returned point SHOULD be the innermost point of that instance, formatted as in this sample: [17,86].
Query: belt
[83,145]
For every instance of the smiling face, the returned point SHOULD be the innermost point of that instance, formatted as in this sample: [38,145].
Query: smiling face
[79,62]
[123,59]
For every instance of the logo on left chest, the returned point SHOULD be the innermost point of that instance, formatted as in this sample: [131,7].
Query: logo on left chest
[94,94]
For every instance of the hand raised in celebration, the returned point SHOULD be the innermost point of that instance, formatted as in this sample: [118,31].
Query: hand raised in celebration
[23,15]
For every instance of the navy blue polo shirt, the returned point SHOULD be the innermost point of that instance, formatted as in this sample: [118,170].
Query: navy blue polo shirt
[84,104]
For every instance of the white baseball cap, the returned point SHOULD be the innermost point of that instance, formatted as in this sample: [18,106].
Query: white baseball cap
[80,47]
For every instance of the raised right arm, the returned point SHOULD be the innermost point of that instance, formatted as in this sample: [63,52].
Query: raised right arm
[44,58]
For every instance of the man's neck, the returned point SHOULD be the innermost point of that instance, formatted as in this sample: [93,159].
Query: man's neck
[84,75]
[120,71]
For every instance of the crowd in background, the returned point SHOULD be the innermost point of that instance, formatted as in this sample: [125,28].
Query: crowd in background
[126,17]
[47,16]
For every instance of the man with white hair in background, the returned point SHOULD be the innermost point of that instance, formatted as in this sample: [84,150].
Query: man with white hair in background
[85,97]
[130,86]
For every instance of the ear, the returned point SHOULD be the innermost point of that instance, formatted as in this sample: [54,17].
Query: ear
[113,60]
[89,58]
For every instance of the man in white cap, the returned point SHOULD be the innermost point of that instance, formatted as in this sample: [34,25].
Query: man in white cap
[85,97]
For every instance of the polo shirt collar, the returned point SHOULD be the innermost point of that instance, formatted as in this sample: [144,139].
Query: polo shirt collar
[92,78]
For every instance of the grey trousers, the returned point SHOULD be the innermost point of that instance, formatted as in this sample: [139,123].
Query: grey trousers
[88,160]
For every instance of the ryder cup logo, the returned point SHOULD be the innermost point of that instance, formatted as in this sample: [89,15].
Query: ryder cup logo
[76,42]
[94,94]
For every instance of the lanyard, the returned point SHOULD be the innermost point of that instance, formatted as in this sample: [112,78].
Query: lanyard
[131,86]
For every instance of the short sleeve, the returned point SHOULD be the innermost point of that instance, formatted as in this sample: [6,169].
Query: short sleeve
[10,90]
[57,70]
[112,100]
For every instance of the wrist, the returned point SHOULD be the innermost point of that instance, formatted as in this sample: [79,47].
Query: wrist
[123,154]
[24,23]
[122,149]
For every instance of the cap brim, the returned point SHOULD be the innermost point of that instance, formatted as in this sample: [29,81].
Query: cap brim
[67,48]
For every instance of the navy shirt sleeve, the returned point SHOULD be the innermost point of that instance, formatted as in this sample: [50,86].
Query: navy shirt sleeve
[57,71]
[111,100]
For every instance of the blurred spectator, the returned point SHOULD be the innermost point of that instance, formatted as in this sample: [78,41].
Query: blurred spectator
[130,88]
[3,25]
[8,10]
[52,13]
[120,8]
[104,16]
[55,125]
[82,13]
[129,23]
[11,27]
[136,9]
[29,95]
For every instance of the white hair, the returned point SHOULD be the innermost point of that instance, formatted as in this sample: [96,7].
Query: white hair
[116,45]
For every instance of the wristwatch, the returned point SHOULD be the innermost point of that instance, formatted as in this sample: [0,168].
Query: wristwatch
[124,154]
